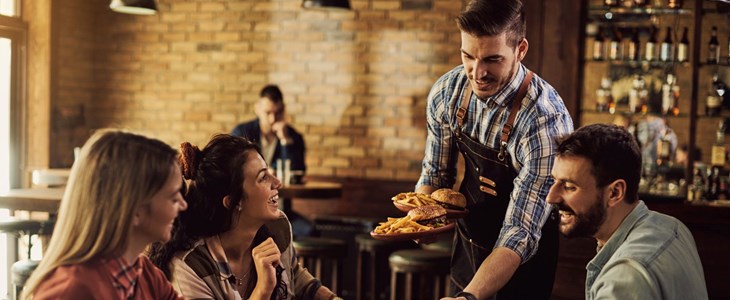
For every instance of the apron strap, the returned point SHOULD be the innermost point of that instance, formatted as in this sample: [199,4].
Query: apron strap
[516,104]
[507,128]
[461,111]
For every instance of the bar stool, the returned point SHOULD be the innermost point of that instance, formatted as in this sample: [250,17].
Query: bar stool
[431,268]
[372,265]
[315,252]
[22,269]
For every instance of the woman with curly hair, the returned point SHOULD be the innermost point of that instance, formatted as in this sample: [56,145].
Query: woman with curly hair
[233,242]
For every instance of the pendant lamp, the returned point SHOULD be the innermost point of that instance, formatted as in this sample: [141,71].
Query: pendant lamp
[135,7]
[322,4]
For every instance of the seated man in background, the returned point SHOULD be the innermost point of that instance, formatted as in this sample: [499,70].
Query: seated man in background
[276,139]
[642,254]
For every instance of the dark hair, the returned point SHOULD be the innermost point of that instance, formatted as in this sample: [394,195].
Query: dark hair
[492,18]
[613,152]
[213,173]
[273,93]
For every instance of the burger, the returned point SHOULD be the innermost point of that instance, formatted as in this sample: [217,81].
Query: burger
[433,216]
[449,199]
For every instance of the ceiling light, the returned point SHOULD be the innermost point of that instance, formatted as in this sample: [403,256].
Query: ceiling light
[135,7]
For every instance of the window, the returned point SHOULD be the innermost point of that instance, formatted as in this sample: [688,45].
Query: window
[12,45]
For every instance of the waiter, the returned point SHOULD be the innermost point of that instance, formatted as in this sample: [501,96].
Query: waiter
[503,119]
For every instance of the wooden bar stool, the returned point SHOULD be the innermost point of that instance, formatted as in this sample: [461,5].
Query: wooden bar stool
[372,265]
[430,268]
[315,252]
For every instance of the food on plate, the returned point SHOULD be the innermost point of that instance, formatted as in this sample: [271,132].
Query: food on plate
[413,199]
[433,216]
[449,199]
[419,219]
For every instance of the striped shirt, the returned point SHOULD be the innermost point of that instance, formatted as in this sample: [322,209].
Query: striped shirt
[542,118]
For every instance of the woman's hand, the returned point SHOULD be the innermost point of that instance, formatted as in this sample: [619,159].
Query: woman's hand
[266,257]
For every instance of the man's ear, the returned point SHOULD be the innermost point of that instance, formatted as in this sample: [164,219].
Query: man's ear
[522,47]
[616,192]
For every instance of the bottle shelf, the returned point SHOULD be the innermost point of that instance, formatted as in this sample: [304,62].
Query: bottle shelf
[603,13]
[643,64]
[721,64]
[622,111]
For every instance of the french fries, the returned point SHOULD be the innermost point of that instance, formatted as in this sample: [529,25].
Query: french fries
[400,225]
[413,199]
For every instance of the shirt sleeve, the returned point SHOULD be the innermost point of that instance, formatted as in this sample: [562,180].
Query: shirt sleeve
[439,162]
[624,279]
[528,210]
[187,283]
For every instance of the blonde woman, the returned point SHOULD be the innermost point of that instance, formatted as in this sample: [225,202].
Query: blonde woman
[233,242]
[123,194]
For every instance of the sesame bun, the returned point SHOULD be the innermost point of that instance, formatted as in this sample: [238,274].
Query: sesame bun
[449,199]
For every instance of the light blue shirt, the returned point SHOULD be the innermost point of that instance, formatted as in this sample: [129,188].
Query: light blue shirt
[650,256]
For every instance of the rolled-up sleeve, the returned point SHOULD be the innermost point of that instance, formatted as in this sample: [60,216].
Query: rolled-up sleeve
[528,210]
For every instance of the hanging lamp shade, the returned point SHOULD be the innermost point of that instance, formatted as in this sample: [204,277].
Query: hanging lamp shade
[340,4]
[135,7]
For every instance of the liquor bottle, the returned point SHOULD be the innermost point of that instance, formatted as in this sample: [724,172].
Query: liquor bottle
[683,47]
[614,48]
[697,190]
[633,49]
[668,94]
[664,149]
[714,99]
[713,175]
[599,45]
[674,4]
[651,44]
[714,46]
[610,3]
[674,111]
[667,47]
[604,99]
[718,149]
[638,96]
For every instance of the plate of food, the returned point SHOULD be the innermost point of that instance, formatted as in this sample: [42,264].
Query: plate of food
[421,222]
[453,201]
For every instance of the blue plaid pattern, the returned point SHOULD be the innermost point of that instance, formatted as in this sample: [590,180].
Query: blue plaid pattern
[541,119]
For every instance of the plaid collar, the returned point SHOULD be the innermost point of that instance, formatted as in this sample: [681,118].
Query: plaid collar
[124,275]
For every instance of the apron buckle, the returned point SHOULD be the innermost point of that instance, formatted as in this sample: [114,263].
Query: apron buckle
[502,149]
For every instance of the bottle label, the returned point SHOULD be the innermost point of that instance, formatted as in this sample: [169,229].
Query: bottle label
[713,101]
[650,51]
[682,53]
[718,155]
[666,52]
[598,50]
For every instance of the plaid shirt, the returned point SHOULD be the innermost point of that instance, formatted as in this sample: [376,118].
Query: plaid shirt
[125,276]
[541,118]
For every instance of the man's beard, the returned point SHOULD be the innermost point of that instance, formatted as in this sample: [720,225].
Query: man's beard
[495,80]
[585,224]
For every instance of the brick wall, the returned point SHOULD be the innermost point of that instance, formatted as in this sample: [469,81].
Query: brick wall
[354,82]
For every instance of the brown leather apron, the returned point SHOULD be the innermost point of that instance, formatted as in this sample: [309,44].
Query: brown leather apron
[487,185]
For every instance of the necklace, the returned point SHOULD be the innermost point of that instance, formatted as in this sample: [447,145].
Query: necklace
[241,280]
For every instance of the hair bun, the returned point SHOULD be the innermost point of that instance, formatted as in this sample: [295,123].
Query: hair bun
[189,159]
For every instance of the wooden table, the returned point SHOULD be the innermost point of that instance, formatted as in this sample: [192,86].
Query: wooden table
[312,190]
[38,199]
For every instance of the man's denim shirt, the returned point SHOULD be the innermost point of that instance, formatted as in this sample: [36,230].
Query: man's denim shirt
[650,256]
